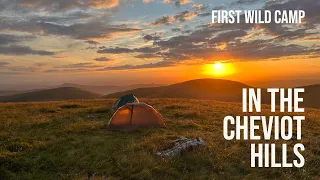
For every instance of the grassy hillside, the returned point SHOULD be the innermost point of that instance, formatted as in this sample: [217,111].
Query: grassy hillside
[107,89]
[311,97]
[68,140]
[214,89]
[65,93]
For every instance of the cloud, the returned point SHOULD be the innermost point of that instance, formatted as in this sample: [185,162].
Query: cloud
[60,5]
[146,49]
[204,44]
[181,2]
[2,64]
[40,64]
[314,56]
[102,59]
[64,18]
[311,7]
[245,2]
[164,20]
[59,57]
[103,3]
[9,39]
[20,69]
[199,7]
[51,70]
[142,66]
[227,36]
[177,3]
[204,14]
[179,17]
[263,49]
[148,55]
[152,37]
[146,1]
[178,29]
[181,29]
[185,15]
[78,65]
[236,51]
[119,50]
[116,50]
[23,50]
[92,42]
[295,34]
[92,30]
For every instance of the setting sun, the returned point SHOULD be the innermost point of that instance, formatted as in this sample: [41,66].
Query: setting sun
[218,69]
[217,66]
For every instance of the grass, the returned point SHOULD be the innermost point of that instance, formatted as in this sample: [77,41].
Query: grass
[68,140]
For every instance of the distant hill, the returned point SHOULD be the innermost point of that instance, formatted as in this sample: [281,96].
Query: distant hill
[63,93]
[8,93]
[13,92]
[208,89]
[107,89]
[214,89]
[311,96]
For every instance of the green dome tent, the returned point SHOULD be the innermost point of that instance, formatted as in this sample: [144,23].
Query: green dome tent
[129,98]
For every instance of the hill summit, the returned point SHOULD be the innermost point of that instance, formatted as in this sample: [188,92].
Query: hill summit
[211,89]
[63,93]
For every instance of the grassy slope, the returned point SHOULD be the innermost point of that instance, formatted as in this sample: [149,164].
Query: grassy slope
[63,93]
[214,89]
[107,89]
[68,140]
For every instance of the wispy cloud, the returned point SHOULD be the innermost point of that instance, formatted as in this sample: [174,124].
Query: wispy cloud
[102,59]
[23,50]
[179,17]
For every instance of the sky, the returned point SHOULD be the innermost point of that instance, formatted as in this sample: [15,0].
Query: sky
[46,42]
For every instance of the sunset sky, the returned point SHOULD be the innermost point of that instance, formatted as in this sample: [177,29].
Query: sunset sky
[46,42]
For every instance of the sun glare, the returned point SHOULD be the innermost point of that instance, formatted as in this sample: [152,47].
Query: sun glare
[217,66]
[218,69]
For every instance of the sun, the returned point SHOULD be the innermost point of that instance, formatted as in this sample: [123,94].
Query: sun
[218,69]
[217,66]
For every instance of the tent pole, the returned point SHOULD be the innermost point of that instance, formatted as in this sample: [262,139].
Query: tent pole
[131,116]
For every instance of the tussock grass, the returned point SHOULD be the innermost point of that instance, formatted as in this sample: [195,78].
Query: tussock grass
[69,140]
[70,106]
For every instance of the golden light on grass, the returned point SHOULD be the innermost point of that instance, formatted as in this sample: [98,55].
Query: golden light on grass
[218,69]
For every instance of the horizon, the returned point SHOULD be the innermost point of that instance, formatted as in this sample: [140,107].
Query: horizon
[259,84]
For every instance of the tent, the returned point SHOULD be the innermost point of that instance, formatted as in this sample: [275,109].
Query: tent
[135,115]
[129,98]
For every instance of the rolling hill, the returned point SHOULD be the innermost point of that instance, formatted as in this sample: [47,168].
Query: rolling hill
[63,93]
[214,89]
[207,89]
[311,96]
[107,89]
[8,93]
[211,89]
